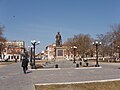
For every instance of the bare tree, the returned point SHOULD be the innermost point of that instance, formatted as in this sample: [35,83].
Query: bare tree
[110,41]
[83,43]
[2,40]
[116,36]
[105,43]
[116,33]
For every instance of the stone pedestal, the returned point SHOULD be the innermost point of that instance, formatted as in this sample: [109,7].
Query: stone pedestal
[59,53]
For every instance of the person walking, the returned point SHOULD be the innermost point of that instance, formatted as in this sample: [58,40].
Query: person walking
[25,62]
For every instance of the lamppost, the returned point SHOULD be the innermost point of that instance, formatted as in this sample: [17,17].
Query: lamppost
[74,50]
[34,43]
[31,51]
[97,43]
[68,54]
[1,50]
[119,51]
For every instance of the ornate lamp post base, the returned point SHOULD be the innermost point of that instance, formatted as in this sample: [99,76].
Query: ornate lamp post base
[33,67]
[97,65]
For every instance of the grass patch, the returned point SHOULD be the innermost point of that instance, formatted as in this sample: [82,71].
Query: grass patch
[6,63]
[41,61]
[38,66]
[112,85]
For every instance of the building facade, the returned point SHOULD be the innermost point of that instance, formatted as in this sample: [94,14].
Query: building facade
[13,50]
[51,51]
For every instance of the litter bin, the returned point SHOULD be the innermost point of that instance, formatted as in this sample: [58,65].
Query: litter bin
[87,64]
[80,63]
[77,65]
[56,66]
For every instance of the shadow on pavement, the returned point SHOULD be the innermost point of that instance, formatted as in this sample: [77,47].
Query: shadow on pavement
[28,72]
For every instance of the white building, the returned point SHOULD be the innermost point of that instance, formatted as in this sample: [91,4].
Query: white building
[13,50]
[51,51]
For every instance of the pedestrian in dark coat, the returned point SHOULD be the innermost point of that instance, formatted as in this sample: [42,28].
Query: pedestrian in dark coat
[25,62]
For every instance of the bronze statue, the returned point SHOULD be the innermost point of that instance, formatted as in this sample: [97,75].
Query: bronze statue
[58,40]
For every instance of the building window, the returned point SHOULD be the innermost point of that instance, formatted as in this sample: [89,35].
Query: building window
[8,57]
[11,57]
[17,57]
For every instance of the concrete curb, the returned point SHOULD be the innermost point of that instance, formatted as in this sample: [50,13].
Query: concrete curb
[107,80]
[45,69]
[89,67]
[82,68]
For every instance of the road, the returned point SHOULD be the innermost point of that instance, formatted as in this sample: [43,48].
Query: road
[13,78]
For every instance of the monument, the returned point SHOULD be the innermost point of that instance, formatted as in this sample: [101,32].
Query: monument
[59,50]
[58,40]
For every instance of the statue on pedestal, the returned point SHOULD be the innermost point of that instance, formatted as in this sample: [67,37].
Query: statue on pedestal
[58,40]
[59,50]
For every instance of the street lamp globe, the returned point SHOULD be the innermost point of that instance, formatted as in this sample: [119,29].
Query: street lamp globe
[97,42]
[38,42]
[33,41]
[74,47]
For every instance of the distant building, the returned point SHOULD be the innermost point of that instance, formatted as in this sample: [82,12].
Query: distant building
[68,53]
[13,50]
[51,51]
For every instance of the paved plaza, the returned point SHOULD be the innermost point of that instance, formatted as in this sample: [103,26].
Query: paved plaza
[13,78]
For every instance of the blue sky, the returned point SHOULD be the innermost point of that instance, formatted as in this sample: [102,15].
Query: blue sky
[42,19]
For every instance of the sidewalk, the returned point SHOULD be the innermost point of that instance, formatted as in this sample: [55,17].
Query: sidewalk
[2,66]
[13,78]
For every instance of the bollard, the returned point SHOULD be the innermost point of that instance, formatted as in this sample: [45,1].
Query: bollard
[87,64]
[56,66]
[77,65]
[80,63]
